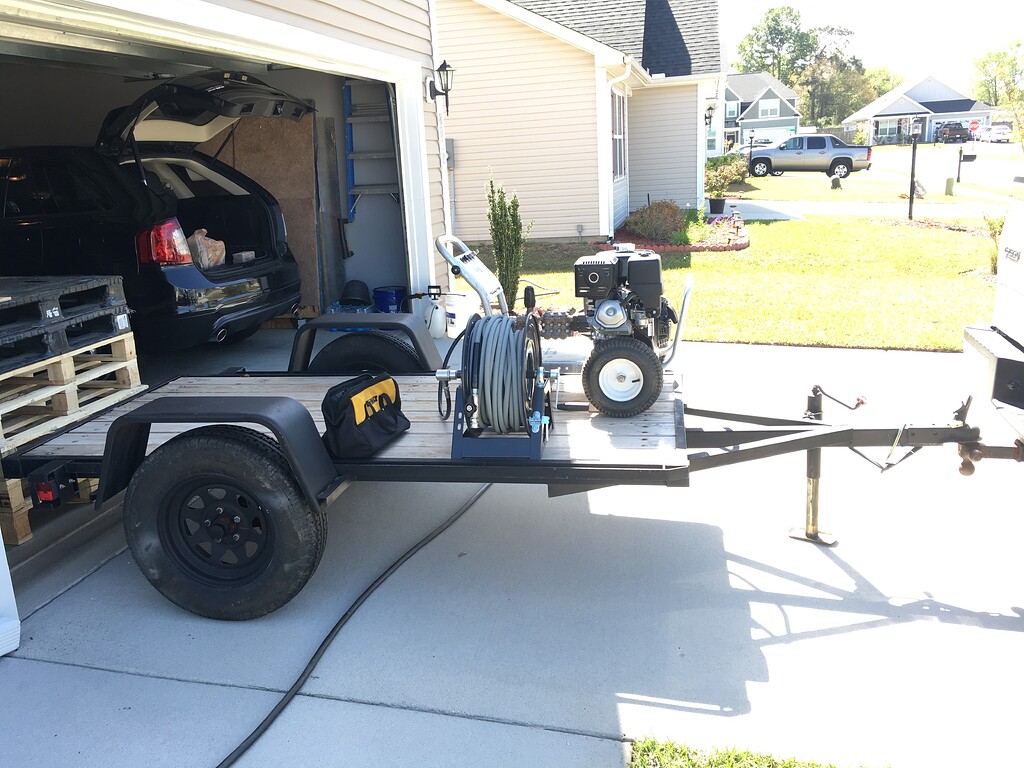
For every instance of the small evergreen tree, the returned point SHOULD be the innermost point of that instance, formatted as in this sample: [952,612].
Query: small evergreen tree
[507,238]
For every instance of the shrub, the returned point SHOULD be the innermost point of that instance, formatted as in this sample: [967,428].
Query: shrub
[657,221]
[995,231]
[507,238]
[720,172]
[860,137]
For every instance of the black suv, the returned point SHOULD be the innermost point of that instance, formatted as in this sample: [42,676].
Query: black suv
[128,205]
[951,132]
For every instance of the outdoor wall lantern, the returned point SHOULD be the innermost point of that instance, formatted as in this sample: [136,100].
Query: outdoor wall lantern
[441,85]
[709,113]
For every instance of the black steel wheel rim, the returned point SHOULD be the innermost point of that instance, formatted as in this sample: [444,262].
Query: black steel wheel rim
[216,530]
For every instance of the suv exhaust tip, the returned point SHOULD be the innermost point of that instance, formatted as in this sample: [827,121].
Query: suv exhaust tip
[219,335]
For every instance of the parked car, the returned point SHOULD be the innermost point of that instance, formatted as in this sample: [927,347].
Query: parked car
[951,132]
[995,133]
[810,152]
[129,205]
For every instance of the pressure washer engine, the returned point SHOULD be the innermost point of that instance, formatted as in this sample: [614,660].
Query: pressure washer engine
[630,322]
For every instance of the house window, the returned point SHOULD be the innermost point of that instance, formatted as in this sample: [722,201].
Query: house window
[768,108]
[618,135]
[712,145]
[887,127]
[732,110]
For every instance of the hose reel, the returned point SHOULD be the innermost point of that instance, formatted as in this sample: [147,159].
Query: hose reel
[503,402]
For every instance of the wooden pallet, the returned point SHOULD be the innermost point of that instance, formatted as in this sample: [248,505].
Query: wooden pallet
[38,399]
[14,509]
[42,398]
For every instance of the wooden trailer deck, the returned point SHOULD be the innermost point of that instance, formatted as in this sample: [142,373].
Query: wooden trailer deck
[653,440]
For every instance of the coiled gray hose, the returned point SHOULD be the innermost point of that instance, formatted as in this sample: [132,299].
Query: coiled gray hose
[502,362]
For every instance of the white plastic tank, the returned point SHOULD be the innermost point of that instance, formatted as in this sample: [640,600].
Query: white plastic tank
[435,318]
[458,309]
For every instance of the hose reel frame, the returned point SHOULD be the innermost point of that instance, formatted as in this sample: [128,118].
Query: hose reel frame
[503,402]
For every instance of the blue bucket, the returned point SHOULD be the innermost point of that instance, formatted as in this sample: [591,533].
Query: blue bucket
[389,298]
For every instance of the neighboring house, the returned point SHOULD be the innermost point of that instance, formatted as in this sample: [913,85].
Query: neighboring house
[888,119]
[585,110]
[758,106]
[381,53]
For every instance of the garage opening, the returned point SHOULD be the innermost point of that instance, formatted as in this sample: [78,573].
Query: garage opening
[334,173]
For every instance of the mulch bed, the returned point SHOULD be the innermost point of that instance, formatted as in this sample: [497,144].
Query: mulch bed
[723,236]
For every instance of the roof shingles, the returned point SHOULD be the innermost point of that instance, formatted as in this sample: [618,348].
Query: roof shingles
[669,37]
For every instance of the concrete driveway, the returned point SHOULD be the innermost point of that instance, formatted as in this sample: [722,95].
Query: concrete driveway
[540,632]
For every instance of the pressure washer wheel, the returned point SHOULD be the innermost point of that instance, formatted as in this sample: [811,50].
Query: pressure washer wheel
[622,377]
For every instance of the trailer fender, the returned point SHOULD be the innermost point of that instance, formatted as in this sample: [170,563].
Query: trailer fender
[288,420]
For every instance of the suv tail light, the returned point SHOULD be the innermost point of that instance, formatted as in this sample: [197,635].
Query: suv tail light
[163,244]
[869,154]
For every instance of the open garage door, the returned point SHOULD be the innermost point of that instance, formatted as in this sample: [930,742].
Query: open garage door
[61,82]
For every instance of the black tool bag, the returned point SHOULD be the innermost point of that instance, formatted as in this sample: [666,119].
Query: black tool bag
[363,415]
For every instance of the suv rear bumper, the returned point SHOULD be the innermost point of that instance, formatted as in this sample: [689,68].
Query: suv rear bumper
[196,311]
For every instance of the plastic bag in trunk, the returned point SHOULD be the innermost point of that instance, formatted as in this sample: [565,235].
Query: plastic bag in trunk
[206,252]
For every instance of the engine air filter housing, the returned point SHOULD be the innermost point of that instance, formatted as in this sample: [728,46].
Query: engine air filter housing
[596,276]
[644,278]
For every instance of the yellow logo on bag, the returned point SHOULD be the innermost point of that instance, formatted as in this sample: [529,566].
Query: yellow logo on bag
[372,399]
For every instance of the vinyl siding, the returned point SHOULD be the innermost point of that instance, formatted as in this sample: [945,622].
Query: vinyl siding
[663,146]
[620,193]
[524,107]
[399,27]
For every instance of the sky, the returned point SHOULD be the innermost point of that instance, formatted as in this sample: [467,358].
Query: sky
[914,40]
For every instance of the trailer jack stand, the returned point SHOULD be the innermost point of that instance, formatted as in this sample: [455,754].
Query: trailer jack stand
[810,530]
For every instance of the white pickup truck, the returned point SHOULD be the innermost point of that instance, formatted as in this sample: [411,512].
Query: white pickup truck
[820,152]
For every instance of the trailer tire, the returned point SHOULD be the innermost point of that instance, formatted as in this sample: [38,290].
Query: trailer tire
[366,351]
[217,523]
[622,377]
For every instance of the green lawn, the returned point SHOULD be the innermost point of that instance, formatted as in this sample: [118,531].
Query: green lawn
[649,753]
[888,284]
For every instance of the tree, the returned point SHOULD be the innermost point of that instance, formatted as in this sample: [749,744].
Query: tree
[1005,73]
[815,82]
[507,237]
[777,45]
[986,86]
[881,80]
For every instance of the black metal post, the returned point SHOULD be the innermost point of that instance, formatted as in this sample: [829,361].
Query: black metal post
[913,170]
[810,530]
[959,162]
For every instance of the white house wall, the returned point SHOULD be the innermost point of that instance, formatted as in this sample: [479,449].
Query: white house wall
[662,146]
[523,107]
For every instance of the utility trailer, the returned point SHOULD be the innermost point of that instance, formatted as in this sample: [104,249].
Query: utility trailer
[226,481]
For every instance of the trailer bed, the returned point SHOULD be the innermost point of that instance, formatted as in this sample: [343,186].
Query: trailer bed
[598,450]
